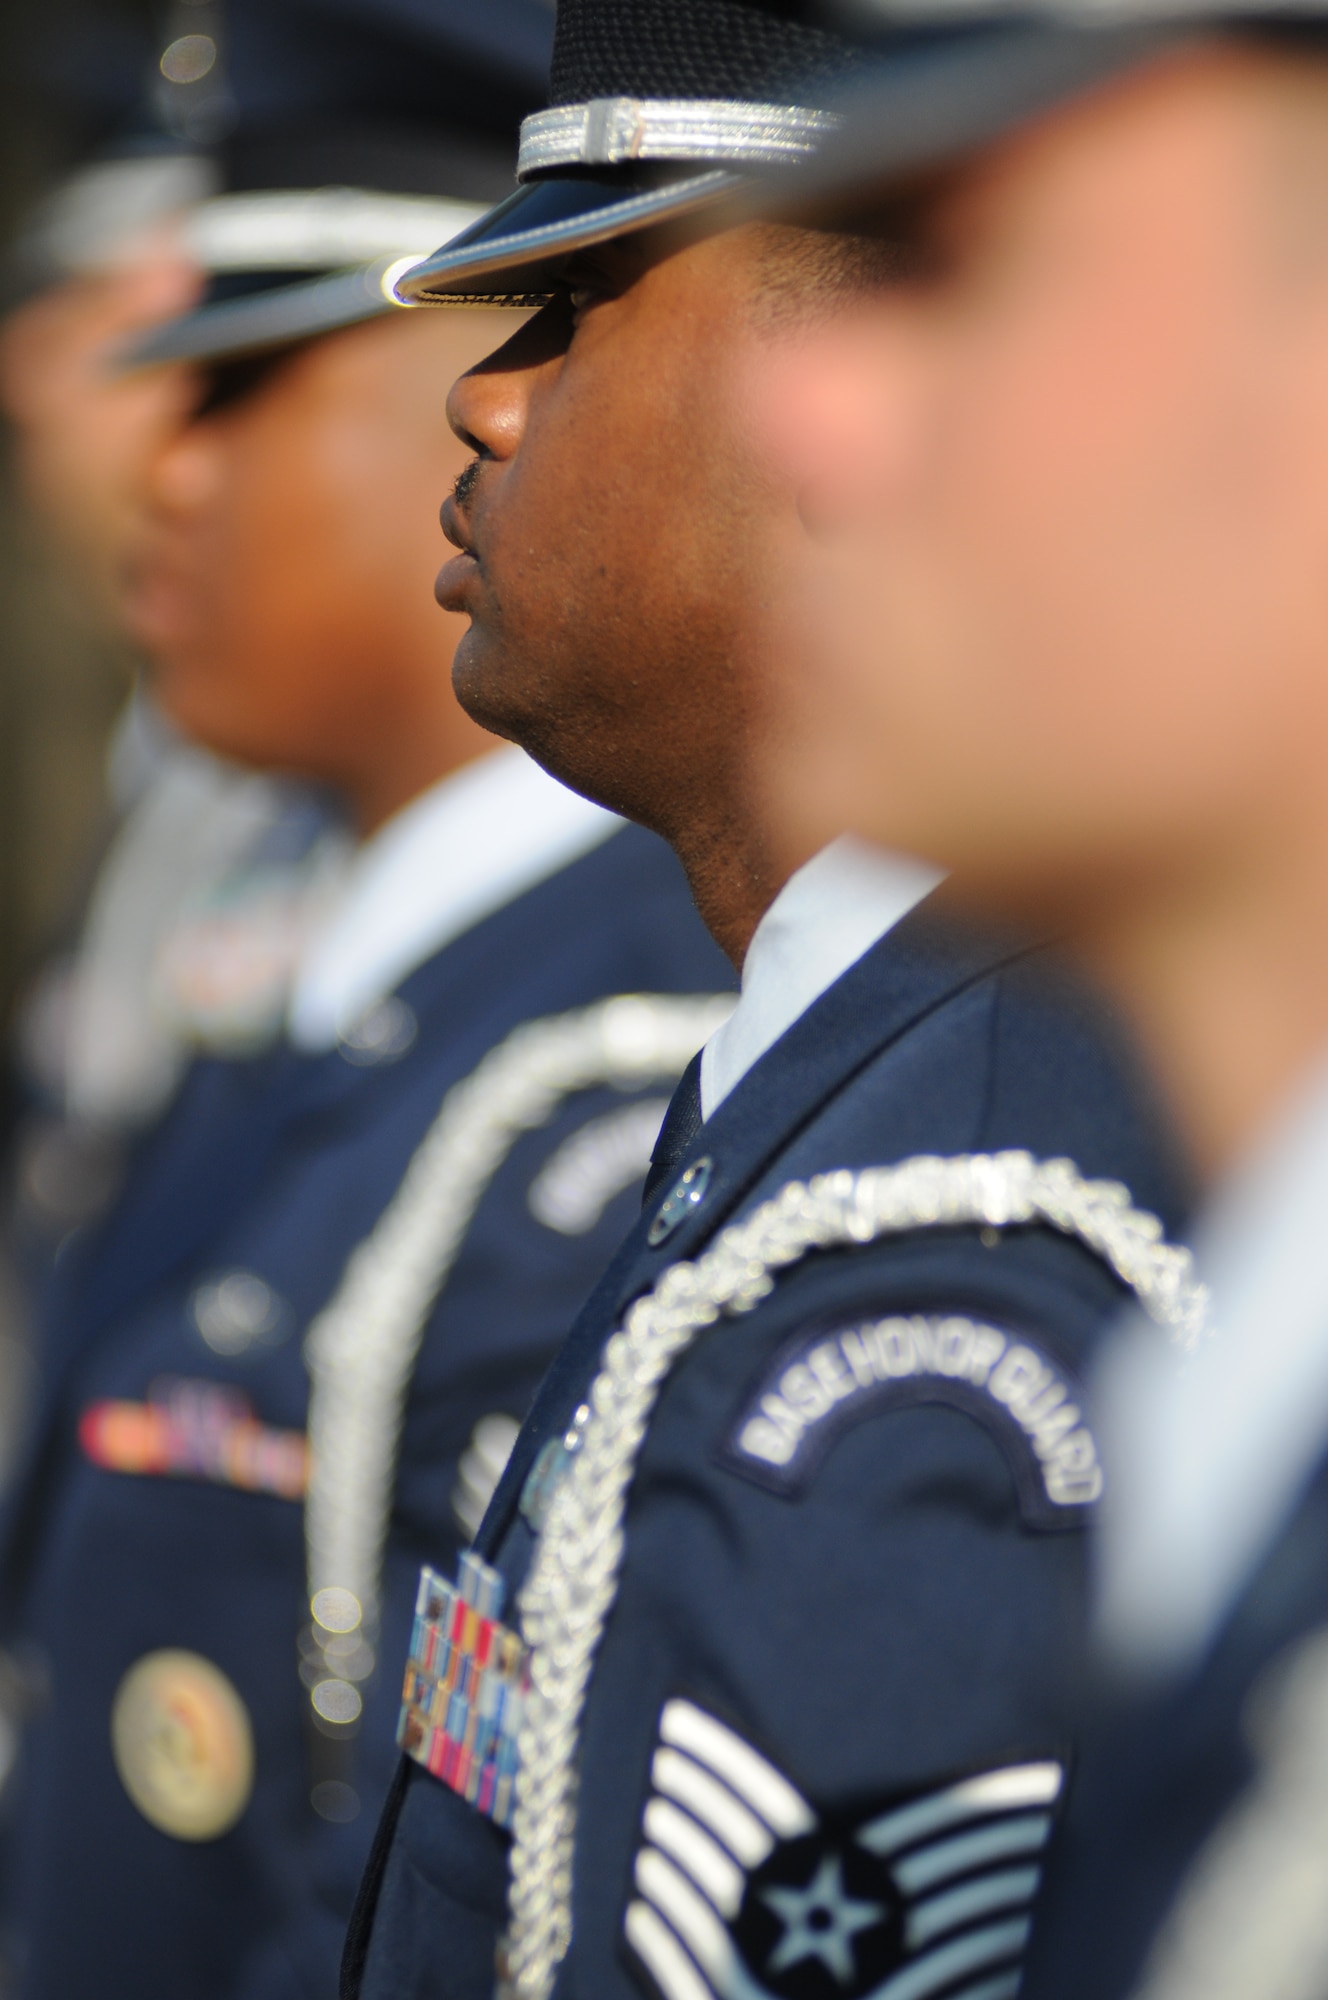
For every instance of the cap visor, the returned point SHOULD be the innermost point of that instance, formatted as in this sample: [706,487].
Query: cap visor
[273,318]
[515,254]
[934,99]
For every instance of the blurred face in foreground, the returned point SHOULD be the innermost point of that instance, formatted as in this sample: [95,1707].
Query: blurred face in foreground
[280,579]
[1069,483]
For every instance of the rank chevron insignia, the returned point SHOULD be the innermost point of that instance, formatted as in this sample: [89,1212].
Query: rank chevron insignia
[744,1892]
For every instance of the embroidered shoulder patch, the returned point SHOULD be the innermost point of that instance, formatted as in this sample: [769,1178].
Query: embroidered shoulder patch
[744,1891]
[828,1381]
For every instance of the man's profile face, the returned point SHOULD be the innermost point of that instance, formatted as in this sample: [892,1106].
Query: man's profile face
[1069,483]
[610,526]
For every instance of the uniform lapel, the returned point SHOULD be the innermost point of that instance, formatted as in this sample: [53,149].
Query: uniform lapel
[918,966]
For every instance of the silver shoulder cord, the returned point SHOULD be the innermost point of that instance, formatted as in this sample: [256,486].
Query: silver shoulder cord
[573,1579]
[361,1349]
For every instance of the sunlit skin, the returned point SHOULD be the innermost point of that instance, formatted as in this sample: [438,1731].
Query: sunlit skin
[612,537]
[1068,492]
[82,429]
[280,578]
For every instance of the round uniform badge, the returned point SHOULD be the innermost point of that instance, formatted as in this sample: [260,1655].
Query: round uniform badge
[183,1745]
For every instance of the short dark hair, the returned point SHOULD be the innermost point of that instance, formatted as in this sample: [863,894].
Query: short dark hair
[804,273]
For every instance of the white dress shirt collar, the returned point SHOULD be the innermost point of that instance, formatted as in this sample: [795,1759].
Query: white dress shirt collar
[822,921]
[472,843]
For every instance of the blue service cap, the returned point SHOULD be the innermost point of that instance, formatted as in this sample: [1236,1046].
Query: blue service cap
[659,110]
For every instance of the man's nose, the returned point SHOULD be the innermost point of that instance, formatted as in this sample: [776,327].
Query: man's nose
[487,412]
[488,407]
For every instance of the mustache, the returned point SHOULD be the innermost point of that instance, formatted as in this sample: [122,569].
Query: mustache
[465,483]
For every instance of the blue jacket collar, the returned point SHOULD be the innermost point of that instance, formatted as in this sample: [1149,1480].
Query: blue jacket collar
[921,963]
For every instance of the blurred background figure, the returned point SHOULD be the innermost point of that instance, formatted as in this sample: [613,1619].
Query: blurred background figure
[68,77]
[99,1045]
[204,1558]
[1066,481]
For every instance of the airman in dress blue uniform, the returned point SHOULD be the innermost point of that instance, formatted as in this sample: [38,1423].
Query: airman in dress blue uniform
[1197,1835]
[287,1367]
[1179,744]
[758,1678]
[95,1055]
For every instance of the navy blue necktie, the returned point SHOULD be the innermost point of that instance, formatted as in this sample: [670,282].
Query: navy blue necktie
[682,1122]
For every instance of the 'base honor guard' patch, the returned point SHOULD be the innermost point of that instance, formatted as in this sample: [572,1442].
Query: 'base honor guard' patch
[828,1381]
[745,1892]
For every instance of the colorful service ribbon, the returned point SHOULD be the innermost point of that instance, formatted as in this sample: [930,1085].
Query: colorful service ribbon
[196,1430]
[466,1683]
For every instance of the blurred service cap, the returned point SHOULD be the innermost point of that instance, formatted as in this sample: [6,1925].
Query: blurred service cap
[360,134]
[943,78]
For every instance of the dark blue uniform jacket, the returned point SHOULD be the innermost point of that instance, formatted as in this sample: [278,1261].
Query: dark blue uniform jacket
[276,1168]
[901,1618]
[1163,1770]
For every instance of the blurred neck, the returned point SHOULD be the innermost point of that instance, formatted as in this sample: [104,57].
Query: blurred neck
[410,761]
[1226,983]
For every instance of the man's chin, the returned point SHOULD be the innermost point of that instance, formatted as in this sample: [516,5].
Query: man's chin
[478,682]
[511,698]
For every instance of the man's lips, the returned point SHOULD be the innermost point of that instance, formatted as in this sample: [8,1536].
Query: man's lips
[160,600]
[450,586]
[454,525]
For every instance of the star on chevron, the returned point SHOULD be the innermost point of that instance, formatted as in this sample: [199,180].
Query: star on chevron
[820,1921]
